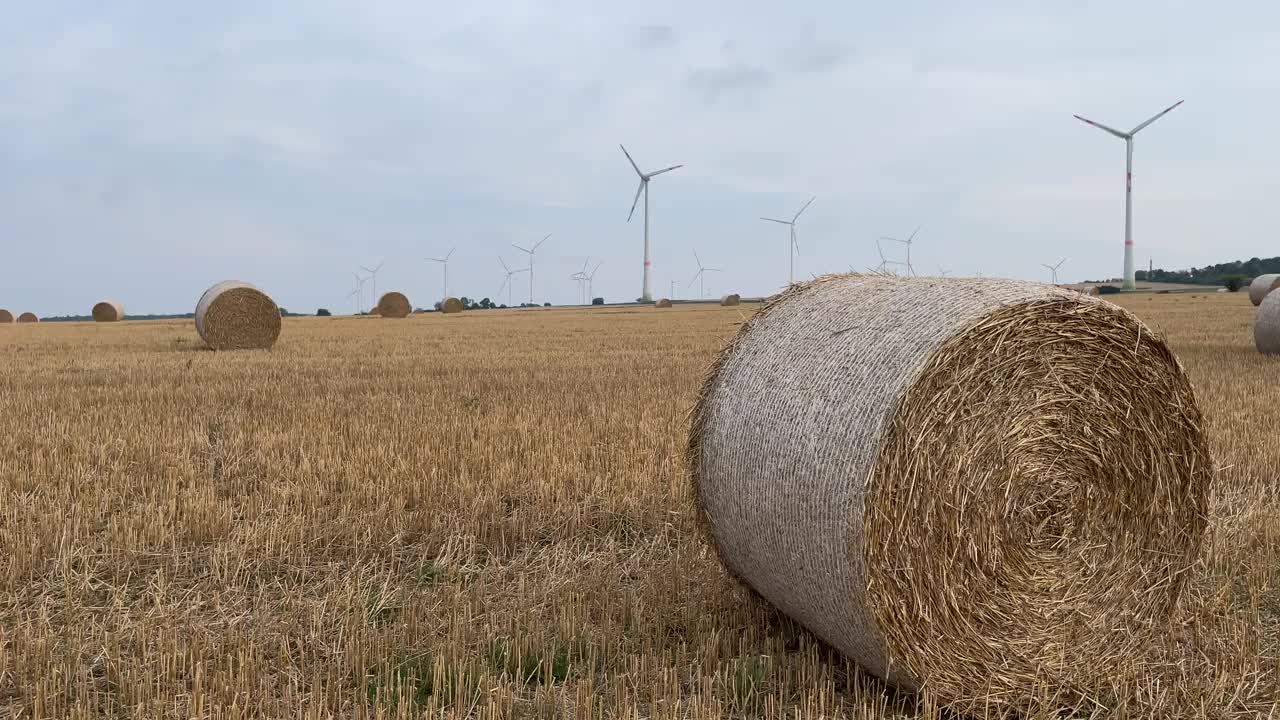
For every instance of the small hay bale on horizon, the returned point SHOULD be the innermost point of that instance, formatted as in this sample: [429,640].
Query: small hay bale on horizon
[393,305]
[234,315]
[956,505]
[451,305]
[108,311]
[1262,286]
[731,299]
[28,317]
[5,316]
[1266,325]
[663,303]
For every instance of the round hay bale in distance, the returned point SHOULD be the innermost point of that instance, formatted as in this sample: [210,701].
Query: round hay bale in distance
[451,305]
[393,305]
[108,311]
[1262,286]
[5,316]
[235,315]
[1266,325]
[28,317]
[731,299]
[663,303]
[952,481]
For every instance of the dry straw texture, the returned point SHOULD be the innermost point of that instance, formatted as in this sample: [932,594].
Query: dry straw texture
[108,311]
[731,299]
[663,303]
[393,305]
[451,305]
[234,315]
[981,487]
[5,316]
[1266,326]
[28,317]
[1262,286]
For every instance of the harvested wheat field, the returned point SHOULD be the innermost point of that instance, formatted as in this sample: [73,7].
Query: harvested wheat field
[197,534]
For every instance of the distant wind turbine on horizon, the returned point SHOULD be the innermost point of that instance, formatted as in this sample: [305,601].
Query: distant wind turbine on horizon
[373,275]
[1129,277]
[444,261]
[910,239]
[794,245]
[530,252]
[646,293]
[1054,269]
[701,277]
[506,283]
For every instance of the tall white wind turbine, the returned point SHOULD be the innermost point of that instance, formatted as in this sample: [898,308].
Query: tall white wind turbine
[1054,269]
[1129,282]
[506,283]
[530,252]
[910,239]
[701,277]
[795,246]
[646,293]
[373,275]
[444,261]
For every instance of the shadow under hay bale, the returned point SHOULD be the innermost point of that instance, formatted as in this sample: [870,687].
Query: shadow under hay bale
[1262,286]
[953,482]
[451,305]
[663,303]
[1266,325]
[108,311]
[28,317]
[393,305]
[234,315]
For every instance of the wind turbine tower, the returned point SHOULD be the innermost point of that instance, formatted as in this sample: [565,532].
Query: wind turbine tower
[531,251]
[910,239]
[373,275]
[795,246]
[646,293]
[1129,282]
[444,261]
[506,283]
[1054,269]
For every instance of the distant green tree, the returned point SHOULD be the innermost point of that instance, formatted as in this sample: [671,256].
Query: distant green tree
[597,301]
[323,313]
[546,304]
[1233,282]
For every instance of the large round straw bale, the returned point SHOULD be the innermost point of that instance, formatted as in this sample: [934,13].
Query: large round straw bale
[1262,286]
[393,305]
[451,305]
[663,303]
[731,299]
[977,486]
[1266,325]
[234,315]
[5,316]
[108,311]
[28,317]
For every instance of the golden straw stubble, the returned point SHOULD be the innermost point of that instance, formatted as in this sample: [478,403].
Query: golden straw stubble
[234,315]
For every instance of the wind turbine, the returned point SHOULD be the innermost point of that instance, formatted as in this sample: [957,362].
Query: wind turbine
[580,277]
[1129,282]
[373,274]
[506,283]
[591,278]
[795,246]
[884,262]
[445,262]
[531,251]
[359,292]
[673,290]
[701,276]
[911,238]
[646,293]
[1054,269]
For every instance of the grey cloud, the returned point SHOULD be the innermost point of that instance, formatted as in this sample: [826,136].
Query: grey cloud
[712,83]
[652,37]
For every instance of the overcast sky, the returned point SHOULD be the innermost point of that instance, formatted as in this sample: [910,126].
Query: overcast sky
[150,149]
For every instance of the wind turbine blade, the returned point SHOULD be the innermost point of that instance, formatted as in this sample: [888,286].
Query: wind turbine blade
[593,270]
[1155,117]
[449,254]
[633,162]
[504,264]
[665,170]
[695,278]
[806,207]
[698,259]
[913,235]
[639,189]
[521,249]
[711,269]
[367,269]
[1100,126]
[781,222]
[505,282]
[535,247]
[1046,266]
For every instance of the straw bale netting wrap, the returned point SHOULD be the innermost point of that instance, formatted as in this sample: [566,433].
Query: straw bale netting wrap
[108,311]
[663,303]
[969,485]
[393,305]
[28,317]
[451,305]
[5,316]
[234,315]
[731,299]
[1262,286]
[1266,326]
